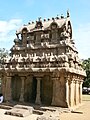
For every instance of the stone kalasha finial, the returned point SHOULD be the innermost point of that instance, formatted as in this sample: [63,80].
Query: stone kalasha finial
[57,17]
[39,18]
[68,13]
[48,19]
[44,19]
[62,16]
[53,18]
[29,22]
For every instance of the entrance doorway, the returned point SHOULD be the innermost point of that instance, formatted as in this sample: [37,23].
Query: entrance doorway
[30,87]
[16,87]
[34,90]
[46,90]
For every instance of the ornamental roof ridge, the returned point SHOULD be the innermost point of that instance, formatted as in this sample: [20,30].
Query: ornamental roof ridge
[45,24]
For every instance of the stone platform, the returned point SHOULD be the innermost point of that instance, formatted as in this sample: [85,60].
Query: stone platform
[42,112]
[20,111]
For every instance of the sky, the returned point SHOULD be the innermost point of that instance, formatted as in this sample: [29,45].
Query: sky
[15,13]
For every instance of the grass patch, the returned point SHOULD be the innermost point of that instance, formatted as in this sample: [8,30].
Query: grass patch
[86,97]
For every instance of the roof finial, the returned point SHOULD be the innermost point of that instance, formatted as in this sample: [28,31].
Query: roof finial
[39,18]
[68,13]
[57,16]
[62,16]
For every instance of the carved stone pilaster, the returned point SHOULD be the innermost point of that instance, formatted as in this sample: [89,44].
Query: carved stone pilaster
[38,99]
[71,96]
[67,91]
[54,91]
[80,91]
[22,90]
[77,92]
[8,89]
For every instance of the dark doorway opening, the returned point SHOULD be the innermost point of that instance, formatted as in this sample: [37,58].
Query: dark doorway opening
[30,88]
[46,90]
[34,90]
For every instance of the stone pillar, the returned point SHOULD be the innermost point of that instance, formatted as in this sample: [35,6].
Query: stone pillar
[71,93]
[77,92]
[22,90]
[8,89]
[54,91]
[80,91]
[74,92]
[67,92]
[38,99]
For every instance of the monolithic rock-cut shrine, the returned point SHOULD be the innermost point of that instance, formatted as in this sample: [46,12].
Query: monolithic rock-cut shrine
[44,67]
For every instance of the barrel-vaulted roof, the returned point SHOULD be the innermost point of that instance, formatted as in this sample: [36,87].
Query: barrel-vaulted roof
[45,24]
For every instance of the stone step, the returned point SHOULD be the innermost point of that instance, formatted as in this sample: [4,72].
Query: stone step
[38,112]
[20,111]
[5,107]
[47,109]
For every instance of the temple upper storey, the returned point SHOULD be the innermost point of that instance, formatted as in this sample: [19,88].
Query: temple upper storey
[51,31]
[45,44]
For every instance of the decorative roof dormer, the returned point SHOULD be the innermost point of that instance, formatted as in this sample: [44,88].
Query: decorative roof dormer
[39,23]
[53,25]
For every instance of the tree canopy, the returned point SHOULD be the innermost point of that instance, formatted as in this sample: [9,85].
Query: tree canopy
[86,66]
[3,54]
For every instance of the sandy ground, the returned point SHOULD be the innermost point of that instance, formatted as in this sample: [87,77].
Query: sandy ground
[81,113]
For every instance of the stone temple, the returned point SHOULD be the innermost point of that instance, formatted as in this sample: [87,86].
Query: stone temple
[44,67]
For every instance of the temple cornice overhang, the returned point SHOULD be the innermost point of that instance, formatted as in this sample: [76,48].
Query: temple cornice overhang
[43,70]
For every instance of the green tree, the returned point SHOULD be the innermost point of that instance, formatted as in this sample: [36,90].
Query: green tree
[3,54]
[86,66]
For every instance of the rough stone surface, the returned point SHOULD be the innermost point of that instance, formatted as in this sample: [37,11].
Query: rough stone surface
[48,115]
[20,111]
[44,66]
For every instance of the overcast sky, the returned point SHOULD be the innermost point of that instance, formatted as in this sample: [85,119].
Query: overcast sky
[15,13]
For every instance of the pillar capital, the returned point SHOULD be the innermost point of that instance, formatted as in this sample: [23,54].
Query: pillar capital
[38,78]
[54,78]
[9,77]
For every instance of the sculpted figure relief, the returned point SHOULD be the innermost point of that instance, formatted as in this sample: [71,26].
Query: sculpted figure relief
[64,33]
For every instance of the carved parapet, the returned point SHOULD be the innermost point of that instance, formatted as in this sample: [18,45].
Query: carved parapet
[77,58]
[63,42]
[53,58]
[76,66]
[71,64]
[44,36]
[38,59]
[70,56]
[45,45]
[62,58]
[64,35]
[65,64]
[31,46]
[27,60]
[7,60]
